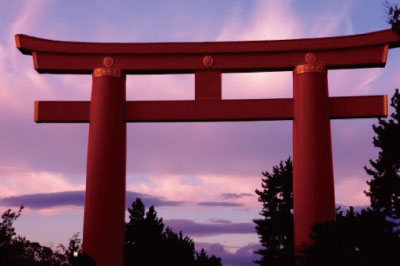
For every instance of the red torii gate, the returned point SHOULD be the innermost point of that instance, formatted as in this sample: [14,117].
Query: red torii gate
[108,112]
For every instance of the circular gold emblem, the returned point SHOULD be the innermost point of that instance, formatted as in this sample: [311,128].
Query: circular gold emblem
[108,61]
[208,60]
[310,58]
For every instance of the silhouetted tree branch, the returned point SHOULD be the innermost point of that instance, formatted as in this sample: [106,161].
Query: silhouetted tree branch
[393,15]
[17,250]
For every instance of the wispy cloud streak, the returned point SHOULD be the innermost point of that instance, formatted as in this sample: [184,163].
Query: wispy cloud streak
[193,228]
[77,198]
[235,195]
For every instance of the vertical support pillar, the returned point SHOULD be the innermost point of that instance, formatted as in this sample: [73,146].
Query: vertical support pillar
[104,217]
[313,185]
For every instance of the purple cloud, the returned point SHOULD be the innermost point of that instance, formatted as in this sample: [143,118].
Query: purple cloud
[76,198]
[235,195]
[193,228]
[45,200]
[149,200]
[219,204]
[221,221]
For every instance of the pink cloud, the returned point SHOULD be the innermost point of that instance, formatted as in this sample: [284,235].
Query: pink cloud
[350,191]
[29,13]
[198,188]
[19,179]
[160,87]
[270,20]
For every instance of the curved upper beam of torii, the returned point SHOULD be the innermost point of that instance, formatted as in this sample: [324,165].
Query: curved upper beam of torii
[354,51]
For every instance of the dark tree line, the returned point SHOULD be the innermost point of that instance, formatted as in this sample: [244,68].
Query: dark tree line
[370,237]
[17,250]
[147,243]
[365,238]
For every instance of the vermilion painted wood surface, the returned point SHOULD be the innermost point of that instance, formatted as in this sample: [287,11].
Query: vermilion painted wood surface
[313,187]
[310,109]
[374,56]
[105,176]
[364,50]
[211,110]
[28,44]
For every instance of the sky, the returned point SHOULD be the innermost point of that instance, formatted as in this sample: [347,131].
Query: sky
[201,177]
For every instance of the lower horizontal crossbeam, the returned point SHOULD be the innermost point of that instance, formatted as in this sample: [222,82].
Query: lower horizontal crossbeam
[211,110]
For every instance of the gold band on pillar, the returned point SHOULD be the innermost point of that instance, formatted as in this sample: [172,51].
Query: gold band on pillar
[108,62]
[310,65]
[309,68]
[101,71]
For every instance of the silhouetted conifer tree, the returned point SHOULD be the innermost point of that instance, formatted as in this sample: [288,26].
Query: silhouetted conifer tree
[202,259]
[148,244]
[275,228]
[143,236]
[384,187]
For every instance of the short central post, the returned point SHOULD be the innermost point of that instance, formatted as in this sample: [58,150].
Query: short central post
[104,217]
[313,185]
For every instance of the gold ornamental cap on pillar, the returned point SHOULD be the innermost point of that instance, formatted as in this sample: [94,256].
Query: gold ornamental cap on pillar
[108,62]
[98,72]
[310,65]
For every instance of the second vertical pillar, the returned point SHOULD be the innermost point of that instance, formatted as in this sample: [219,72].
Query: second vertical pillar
[313,186]
[104,217]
